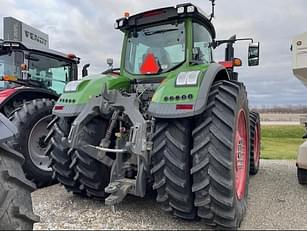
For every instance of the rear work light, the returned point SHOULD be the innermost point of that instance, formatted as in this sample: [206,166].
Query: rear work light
[184,107]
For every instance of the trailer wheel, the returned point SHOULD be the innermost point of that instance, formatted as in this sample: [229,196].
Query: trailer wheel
[93,175]
[302,176]
[31,121]
[16,211]
[221,156]
[60,155]
[254,119]
[171,167]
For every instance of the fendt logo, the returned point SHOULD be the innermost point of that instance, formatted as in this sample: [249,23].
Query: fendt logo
[36,38]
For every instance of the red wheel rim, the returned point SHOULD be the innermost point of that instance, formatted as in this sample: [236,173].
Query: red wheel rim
[241,155]
[257,146]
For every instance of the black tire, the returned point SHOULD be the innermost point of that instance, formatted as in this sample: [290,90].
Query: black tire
[213,170]
[255,131]
[60,156]
[28,120]
[302,176]
[16,212]
[93,175]
[171,162]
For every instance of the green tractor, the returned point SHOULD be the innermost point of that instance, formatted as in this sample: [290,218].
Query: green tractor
[170,118]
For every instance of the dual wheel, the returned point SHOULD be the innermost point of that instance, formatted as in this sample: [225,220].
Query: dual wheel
[201,166]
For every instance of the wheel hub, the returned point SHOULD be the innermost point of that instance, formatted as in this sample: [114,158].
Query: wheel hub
[241,155]
[36,144]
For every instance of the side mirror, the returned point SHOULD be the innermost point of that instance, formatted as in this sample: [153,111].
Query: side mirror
[253,54]
[110,62]
[84,70]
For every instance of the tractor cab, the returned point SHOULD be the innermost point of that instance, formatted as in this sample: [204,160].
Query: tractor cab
[174,39]
[35,67]
[161,41]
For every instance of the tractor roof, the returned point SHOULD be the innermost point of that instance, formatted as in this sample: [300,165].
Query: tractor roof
[181,11]
[19,45]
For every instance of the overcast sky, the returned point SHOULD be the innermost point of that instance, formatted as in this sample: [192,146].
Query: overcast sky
[86,29]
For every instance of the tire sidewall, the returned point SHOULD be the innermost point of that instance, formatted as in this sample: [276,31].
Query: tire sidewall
[257,126]
[242,104]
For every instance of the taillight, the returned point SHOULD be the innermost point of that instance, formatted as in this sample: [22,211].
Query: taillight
[184,107]
[58,107]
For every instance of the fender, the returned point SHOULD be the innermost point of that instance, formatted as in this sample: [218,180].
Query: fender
[214,72]
[24,93]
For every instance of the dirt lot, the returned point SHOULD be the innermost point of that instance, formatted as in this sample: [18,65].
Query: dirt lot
[276,201]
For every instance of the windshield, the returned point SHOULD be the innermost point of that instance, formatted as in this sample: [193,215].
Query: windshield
[10,66]
[155,49]
[51,72]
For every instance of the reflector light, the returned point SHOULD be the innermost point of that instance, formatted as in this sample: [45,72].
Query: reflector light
[184,107]
[58,107]
[227,64]
[150,65]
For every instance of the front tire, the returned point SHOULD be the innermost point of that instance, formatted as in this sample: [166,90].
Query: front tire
[31,121]
[16,212]
[221,156]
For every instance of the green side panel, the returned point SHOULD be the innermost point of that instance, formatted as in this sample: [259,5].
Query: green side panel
[92,86]
[180,94]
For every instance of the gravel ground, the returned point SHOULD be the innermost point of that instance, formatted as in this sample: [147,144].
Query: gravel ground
[276,201]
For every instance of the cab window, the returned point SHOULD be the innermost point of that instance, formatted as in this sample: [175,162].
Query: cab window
[51,72]
[201,43]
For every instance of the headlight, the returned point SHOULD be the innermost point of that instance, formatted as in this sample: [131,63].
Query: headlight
[72,86]
[188,78]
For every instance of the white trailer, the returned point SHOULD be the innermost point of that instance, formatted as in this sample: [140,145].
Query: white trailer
[299,67]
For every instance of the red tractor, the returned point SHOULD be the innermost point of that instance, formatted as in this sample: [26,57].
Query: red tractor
[32,77]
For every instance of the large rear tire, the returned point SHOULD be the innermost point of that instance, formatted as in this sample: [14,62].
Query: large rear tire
[171,167]
[93,175]
[31,121]
[16,212]
[221,156]
[302,176]
[60,156]
[255,141]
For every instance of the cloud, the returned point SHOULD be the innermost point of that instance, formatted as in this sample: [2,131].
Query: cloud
[86,28]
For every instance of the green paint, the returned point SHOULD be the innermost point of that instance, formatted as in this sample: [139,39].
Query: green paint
[92,86]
